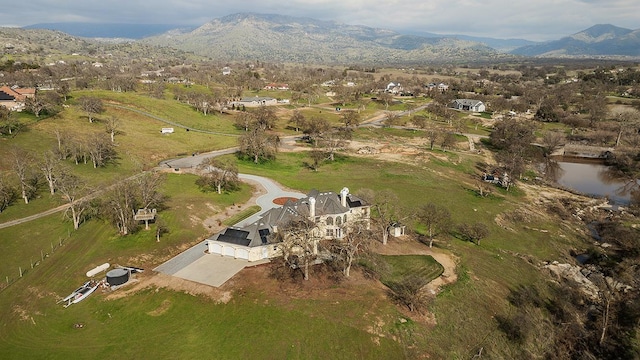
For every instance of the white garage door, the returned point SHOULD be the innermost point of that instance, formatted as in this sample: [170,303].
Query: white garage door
[242,254]
[229,251]
[215,249]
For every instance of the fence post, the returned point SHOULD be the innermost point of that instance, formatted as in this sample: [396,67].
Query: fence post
[30,259]
[7,280]
[20,270]
[41,255]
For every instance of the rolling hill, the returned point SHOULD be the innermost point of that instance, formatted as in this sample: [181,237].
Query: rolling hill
[596,41]
[249,36]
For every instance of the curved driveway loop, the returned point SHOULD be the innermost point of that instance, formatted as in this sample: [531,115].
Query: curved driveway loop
[265,201]
[215,270]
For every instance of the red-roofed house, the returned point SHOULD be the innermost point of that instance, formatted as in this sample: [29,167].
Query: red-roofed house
[15,97]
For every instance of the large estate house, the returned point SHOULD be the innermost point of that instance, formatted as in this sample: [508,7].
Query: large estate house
[331,213]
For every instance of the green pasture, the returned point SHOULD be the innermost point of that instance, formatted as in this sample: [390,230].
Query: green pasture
[158,323]
[165,324]
[171,110]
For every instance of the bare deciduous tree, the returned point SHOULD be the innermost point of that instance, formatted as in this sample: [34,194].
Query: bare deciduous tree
[112,126]
[49,165]
[627,119]
[315,127]
[409,291]
[474,232]
[265,118]
[72,189]
[298,241]
[552,141]
[22,162]
[356,240]
[350,118]
[148,189]
[161,228]
[436,219]
[100,150]
[8,194]
[119,205]
[218,174]
[298,120]
[386,206]
[244,120]
[334,140]
[91,106]
[258,145]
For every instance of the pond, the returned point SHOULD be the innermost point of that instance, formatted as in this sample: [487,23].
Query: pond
[592,178]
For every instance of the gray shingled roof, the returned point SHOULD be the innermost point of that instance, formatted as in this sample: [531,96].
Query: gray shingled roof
[256,234]
[467,102]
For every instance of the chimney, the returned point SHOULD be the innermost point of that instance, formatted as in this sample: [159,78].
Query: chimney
[312,207]
[343,196]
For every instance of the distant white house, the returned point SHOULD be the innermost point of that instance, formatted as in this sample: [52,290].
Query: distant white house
[468,105]
[442,87]
[276,86]
[255,101]
[226,70]
[394,88]
[166,130]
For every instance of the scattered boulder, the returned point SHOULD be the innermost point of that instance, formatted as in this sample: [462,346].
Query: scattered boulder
[575,274]
[368,150]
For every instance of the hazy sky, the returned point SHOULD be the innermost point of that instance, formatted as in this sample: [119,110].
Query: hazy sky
[529,19]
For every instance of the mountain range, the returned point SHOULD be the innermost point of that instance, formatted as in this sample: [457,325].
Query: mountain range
[107,30]
[249,36]
[269,37]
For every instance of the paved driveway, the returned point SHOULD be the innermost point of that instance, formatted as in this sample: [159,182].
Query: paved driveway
[194,265]
[214,270]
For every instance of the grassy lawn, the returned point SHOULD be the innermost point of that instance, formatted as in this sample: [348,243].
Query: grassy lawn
[401,266]
[161,324]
